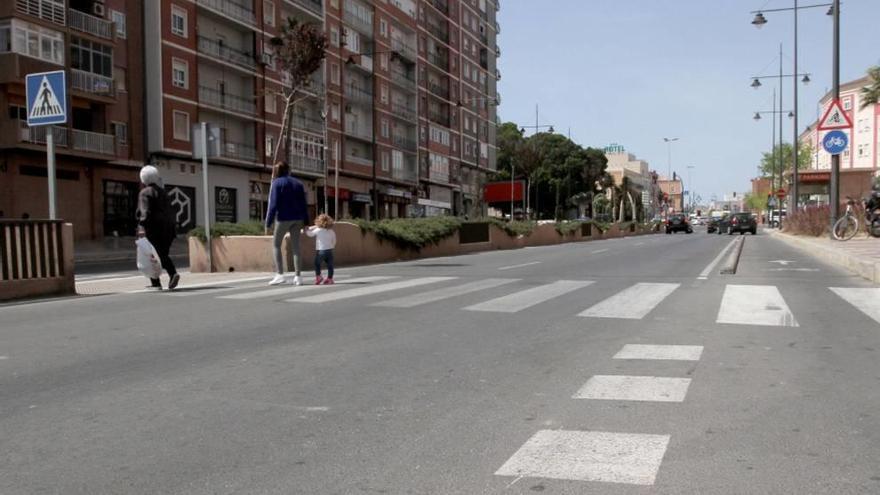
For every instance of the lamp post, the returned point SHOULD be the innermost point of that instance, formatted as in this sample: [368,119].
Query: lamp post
[759,22]
[537,127]
[668,142]
[773,144]
[691,190]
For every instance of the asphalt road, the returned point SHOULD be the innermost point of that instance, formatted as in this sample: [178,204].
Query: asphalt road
[487,373]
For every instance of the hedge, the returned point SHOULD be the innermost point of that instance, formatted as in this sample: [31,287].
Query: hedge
[411,233]
[226,229]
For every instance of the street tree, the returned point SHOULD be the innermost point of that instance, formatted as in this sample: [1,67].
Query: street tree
[300,50]
[770,164]
[871,92]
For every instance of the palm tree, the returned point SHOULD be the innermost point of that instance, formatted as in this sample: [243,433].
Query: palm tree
[871,92]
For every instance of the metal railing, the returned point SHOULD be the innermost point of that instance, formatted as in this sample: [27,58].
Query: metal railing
[438,176]
[403,48]
[405,142]
[406,174]
[52,11]
[401,110]
[93,142]
[363,25]
[358,95]
[235,103]
[439,117]
[307,123]
[37,135]
[91,82]
[439,59]
[314,6]
[359,131]
[306,164]
[438,31]
[90,24]
[402,78]
[215,49]
[31,250]
[234,10]
[439,90]
[359,160]
[238,151]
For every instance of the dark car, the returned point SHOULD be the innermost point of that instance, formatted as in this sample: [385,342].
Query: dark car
[678,223]
[712,225]
[738,223]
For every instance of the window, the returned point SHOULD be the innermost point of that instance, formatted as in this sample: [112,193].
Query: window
[383,61]
[120,130]
[334,112]
[439,164]
[440,136]
[268,55]
[384,94]
[269,13]
[383,27]
[17,112]
[397,159]
[334,73]
[484,151]
[181,126]
[179,73]
[271,102]
[334,4]
[334,36]
[32,41]
[119,79]
[847,104]
[385,132]
[386,161]
[270,146]
[91,57]
[118,19]
[178,21]
[352,39]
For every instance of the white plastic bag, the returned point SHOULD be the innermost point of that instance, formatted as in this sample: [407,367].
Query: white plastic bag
[148,259]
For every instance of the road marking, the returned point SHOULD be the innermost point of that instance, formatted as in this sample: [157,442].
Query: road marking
[637,388]
[632,303]
[755,305]
[183,292]
[639,244]
[366,291]
[444,293]
[291,289]
[521,300]
[511,267]
[630,458]
[599,251]
[706,271]
[791,269]
[866,300]
[781,262]
[661,352]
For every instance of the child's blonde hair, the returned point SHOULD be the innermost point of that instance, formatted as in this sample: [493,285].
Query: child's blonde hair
[324,221]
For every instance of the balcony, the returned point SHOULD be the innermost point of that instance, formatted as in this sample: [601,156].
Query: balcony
[359,160]
[37,135]
[89,82]
[93,142]
[405,142]
[226,101]
[308,124]
[306,164]
[404,174]
[441,60]
[404,111]
[231,9]
[362,132]
[358,95]
[313,6]
[238,151]
[439,176]
[48,11]
[438,31]
[441,5]
[439,117]
[217,50]
[439,90]
[403,78]
[359,21]
[404,49]
[90,24]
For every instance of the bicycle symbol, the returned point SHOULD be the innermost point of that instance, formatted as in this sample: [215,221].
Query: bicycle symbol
[835,141]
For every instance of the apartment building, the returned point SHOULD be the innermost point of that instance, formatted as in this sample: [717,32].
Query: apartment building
[100,149]
[411,88]
[861,160]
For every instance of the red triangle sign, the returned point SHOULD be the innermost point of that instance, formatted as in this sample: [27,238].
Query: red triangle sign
[835,118]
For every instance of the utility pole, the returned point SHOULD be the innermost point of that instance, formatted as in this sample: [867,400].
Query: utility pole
[834,193]
[781,156]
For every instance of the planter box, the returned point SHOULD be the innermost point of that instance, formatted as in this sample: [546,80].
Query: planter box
[471,233]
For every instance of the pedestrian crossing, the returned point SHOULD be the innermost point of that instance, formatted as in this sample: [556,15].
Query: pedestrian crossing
[755,305]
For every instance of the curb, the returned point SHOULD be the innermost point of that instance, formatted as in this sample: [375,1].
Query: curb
[733,258]
[866,269]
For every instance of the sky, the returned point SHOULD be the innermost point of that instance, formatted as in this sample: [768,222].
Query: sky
[632,72]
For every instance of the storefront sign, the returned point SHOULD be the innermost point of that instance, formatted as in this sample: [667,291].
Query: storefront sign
[344,194]
[183,206]
[397,193]
[225,205]
[361,198]
[435,204]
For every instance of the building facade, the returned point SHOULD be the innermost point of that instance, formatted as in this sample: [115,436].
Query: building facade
[100,149]
[400,121]
[642,180]
[672,190]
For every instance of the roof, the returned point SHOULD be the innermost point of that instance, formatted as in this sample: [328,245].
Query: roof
[856,84]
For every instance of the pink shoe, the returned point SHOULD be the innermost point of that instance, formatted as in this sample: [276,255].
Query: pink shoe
[328,281]
[319,280]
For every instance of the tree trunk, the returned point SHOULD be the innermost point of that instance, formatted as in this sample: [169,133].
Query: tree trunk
[633,204]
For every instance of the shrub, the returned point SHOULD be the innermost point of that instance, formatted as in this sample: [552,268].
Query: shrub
[515,228]
[602,226]
[568,228]
[227,229]
[411,233]
[812,220]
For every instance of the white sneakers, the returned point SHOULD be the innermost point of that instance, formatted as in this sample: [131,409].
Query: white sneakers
[279,279]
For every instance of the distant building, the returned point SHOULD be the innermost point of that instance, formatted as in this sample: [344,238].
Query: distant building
[625,165]
[672,190]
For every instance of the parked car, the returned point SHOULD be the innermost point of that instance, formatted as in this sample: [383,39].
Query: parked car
[742,223]
[712,224]
[678,223]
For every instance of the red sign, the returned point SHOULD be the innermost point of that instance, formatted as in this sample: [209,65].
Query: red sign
[501,192]
[780,193]
[835,118]
[344,194]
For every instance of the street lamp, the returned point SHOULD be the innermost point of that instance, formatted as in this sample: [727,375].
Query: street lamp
[834,10]
[522,129]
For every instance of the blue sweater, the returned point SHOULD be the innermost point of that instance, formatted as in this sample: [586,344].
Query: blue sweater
[287,201]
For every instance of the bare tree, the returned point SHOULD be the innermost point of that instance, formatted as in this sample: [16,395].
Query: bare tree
[300,50]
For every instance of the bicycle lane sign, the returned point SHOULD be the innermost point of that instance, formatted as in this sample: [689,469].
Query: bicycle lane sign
[835,142]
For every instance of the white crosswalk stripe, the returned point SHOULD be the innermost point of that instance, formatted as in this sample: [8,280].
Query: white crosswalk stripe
[866,300]
[444,293]
[369,290]
[521,300]
[636,388]
[660,352]
[755,305]
[291,290]
[632,303]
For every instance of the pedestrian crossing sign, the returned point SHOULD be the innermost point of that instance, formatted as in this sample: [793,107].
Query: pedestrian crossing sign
[835,118]
[46,98]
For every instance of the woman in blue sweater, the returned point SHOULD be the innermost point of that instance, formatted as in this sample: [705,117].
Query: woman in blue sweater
[289,211]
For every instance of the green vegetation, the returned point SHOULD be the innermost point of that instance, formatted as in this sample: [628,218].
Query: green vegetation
[515,228]
[568,228]
[227,229]
[411,233]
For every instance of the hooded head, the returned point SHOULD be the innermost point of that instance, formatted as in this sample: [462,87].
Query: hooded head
[150,175]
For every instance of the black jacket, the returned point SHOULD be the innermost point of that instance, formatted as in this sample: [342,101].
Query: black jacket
[154,212]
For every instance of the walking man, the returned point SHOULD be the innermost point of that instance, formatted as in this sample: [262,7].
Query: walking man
[289,212]
[156,222]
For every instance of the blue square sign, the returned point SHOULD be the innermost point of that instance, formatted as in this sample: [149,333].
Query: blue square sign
[46,98]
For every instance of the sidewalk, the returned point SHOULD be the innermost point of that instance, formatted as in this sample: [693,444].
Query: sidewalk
[861,255]
[188,282]
[111,249]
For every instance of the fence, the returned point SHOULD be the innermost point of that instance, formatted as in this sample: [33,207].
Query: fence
[36,258]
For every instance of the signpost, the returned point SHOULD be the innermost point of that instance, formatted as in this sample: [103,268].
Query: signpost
[835,118]
[47,105]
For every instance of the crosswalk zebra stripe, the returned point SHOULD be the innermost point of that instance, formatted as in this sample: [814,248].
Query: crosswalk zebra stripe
[366,291]
[660,352]
[290,289]
[635,388]
[444,293]
[632,303]
[867,300]
[521,300]
[755,305]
